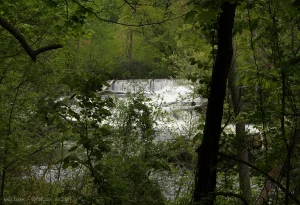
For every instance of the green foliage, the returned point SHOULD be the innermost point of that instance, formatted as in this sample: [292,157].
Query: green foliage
[139,115]
[56,114]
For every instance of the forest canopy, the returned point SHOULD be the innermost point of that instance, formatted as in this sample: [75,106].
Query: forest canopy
[231,136]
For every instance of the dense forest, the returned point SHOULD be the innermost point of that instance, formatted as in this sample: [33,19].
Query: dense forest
[66,139]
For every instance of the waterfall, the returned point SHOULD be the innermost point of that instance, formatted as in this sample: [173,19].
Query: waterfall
[145,85]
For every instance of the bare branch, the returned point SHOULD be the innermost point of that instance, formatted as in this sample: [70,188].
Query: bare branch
[32,53]
[226,194]
[263,173]
[28,155]
[125,24]
[47,48]
[129,4]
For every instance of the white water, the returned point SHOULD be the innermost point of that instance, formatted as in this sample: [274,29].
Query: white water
[144,85]
[177,100]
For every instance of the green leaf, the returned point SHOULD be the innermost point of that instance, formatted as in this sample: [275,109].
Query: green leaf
[61,126]
[83,140]
[94,125]
[197,137]
[74,95]
[51,3]
[207,16]
[50,121]
[74,164]
[65,165]
[103,147]
[190,15]
[193,78]
[89,144]
[254,23]
[98,154]
[105,131]
[74,114]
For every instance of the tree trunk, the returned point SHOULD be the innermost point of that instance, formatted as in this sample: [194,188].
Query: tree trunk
[242,153]
[3,178]
[244,171]
[130,51]
[130,45]
[205,180]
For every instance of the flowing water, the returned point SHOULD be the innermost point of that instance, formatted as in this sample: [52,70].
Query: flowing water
[176,100]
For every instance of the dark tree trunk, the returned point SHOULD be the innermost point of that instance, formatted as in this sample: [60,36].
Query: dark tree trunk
[205,182]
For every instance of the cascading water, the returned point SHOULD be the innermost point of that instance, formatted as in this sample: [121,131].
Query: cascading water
[177,100]
[168,94]
[145,85]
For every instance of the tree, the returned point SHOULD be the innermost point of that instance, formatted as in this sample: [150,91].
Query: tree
[208,151]
[242,151]
[57,102]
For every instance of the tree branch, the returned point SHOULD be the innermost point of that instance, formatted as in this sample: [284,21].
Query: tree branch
[32,53]
[47,48]
[28,155]
[226,194]
[263,173]
[129,4]
[125,24]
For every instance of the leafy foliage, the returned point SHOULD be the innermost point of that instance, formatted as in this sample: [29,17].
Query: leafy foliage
[63,135]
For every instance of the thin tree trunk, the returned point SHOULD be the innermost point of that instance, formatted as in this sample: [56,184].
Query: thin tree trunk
[130,45]
[242,153]
[3,177]
[130,51]
[130,54]
[205,179]
[244,171]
